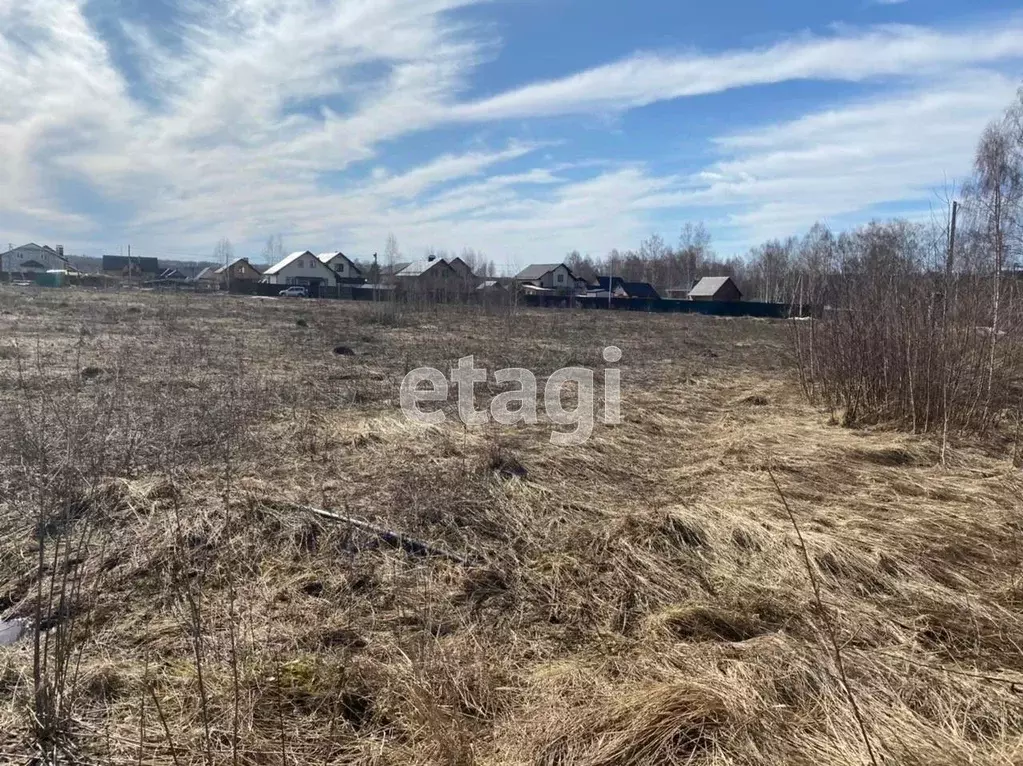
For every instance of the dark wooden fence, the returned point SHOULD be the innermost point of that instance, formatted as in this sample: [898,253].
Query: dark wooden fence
[671,306]
[359,291]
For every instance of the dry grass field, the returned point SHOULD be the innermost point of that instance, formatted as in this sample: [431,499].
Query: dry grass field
[726,577]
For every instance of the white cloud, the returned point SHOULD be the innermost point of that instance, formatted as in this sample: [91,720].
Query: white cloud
[251,113]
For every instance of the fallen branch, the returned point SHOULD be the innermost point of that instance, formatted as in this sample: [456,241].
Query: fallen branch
[410,545]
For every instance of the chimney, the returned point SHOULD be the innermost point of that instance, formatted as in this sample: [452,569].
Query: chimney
[60,250]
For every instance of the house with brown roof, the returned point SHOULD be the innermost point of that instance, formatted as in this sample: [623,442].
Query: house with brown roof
[238,270]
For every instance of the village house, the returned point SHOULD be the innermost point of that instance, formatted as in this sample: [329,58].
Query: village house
[32,259]
[431,274]
[715,289]
[550,276]
[619,288]
[301,268]
[131,266]
[343,266]
[239,270]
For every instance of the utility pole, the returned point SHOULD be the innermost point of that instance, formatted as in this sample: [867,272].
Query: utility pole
[610,281]
[949,263]
[951,242]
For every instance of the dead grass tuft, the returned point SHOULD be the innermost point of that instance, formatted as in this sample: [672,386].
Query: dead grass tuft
[665,723]
[710,623]
[503,462]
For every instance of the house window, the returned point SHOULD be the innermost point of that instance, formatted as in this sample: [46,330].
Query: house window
[561,278]
[300,264]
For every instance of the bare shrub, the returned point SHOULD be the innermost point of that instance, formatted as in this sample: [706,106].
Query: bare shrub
[910,343]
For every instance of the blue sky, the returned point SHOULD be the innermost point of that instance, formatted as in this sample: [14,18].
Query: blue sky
[521,128]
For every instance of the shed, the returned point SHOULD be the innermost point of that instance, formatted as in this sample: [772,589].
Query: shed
[715,289]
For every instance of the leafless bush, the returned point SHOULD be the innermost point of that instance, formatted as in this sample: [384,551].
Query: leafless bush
[909,343]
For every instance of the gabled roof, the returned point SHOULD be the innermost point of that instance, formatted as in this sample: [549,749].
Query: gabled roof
[537,270]
[286,261]
[602,282]
[640,290]
[418,268]
[171,274]
[390,269]
[491,284]
[461,267]
[208,273]
[121,262]
[34,246]
[236,261]
[708,287]
[328,257]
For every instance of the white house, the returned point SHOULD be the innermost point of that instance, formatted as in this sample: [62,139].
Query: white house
[32,259]
[341,264]
[302,268]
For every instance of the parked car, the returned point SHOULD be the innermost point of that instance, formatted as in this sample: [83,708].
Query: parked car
[295,291]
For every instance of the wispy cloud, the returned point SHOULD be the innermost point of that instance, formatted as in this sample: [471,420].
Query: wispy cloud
[896,51]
